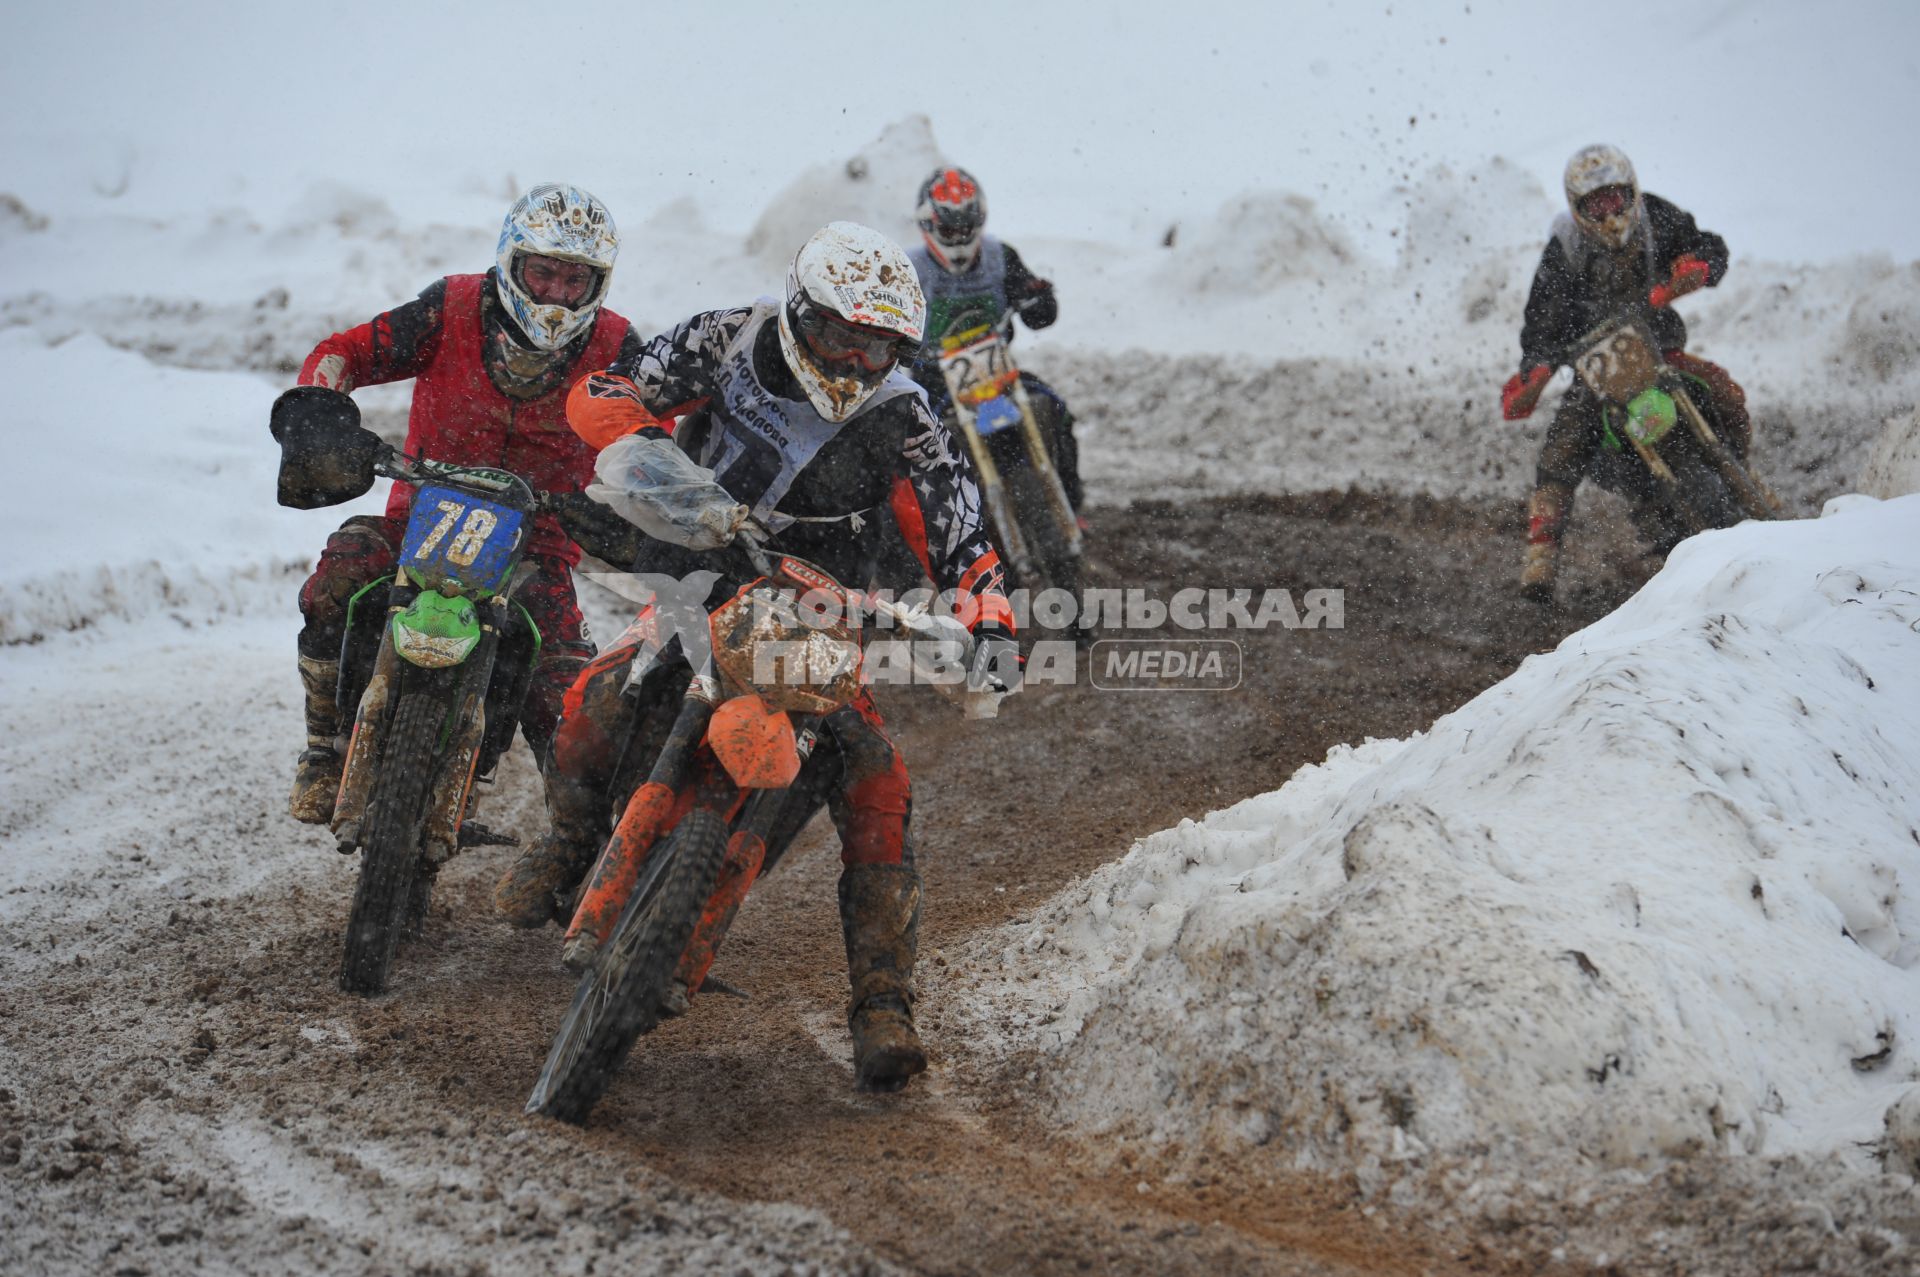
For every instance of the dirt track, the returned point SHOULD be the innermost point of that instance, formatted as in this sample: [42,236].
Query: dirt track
[182,1087]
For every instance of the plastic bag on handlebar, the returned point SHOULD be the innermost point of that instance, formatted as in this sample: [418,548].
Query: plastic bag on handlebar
[326,455]
[665,493]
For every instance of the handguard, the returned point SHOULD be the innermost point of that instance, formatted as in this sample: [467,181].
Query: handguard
[326,455]
[665,493]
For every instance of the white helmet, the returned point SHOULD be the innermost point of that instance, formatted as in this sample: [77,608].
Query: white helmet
[1603,194]
[854,309]
[555,221]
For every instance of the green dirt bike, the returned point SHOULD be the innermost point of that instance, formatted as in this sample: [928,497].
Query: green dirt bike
[434,667]
[1659,446]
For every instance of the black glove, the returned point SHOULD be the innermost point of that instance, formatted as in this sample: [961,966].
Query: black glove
[996,661]
[326,455]
[1036,303]
[596,529]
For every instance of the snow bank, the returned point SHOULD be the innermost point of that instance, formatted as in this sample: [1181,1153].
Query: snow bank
[1649,897]
[1260,241]
[1893,468]
[136,489]
[875,187]
[1261,350]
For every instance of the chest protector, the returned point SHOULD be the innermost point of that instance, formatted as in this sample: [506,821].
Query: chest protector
[1613,279]
[957,303]
[759,442]
[459,416]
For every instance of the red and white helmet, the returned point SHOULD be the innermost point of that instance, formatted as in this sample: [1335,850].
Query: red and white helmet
[952,213]
[854,310]
[1604,195]
[562,222]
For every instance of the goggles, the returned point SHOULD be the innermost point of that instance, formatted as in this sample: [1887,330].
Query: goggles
[1608,201]
[833,340]
[957,233]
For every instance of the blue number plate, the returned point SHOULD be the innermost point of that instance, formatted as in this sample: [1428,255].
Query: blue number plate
[459,537]
[994,415]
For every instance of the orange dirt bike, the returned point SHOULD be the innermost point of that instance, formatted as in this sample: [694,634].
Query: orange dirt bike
[729,788]
[1026,504]
[1657,443]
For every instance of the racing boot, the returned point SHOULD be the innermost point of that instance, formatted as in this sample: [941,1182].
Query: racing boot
[880,916]
[316,781]
[530,893]
[1546,521]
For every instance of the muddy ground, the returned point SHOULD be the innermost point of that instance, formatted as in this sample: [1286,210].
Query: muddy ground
[182,1088]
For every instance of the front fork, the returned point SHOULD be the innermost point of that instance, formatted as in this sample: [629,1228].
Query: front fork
[648,814]
[993,494]
[746,855]
[1042,462]
[1748,487]
[459,748]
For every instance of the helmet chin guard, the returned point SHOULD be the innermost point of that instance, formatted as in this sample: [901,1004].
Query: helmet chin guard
[563,222]
[853,309]
[952,216]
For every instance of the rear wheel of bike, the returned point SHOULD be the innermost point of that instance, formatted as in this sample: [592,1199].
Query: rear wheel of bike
[390,855]
[622,995]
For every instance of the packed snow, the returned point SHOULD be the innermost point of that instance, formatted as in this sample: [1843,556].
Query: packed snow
[158,496]
[1893,467]
[1650,897]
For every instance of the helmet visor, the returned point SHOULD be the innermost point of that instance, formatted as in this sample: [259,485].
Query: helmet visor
[556,281]
[1607,201]
[848,348]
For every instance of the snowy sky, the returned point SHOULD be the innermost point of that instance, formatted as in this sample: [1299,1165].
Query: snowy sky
[1781,123]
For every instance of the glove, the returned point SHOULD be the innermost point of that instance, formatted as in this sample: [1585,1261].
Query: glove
[1037,305]
[326,455]
[595,528]
[744,527]
[996,661]
[1522,391]
[1689,275]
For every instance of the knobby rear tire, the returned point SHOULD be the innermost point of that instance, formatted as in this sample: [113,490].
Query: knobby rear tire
[390,856]
[623,994]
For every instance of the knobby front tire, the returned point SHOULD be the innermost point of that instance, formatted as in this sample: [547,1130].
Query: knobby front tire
[390,855]
[624,993]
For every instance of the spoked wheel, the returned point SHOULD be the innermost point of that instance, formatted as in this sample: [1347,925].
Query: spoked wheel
[390,856]
[628,987]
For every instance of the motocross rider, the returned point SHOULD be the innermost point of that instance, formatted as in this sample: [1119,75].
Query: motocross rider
[1617,248]
[796,422]
[972,278]
[492,357]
